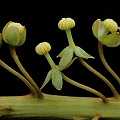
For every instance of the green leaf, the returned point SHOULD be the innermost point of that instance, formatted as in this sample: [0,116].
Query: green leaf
[71,62]
[66,58]
[81,53]
[111,40]
[61,53]
[47,79]
[57,79]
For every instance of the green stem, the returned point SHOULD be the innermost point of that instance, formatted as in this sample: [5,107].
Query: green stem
[53,106]
[17,61]
[96,117]
[85,88]
[70,39]
[19,76]
[100,50]
[49,59]
[115,93]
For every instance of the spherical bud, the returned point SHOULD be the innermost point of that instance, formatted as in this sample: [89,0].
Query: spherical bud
[43,48]
[111,25]
[14,34]
[66,23]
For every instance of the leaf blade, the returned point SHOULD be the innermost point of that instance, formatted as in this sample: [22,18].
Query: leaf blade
[47,79]
[66,58]
[57,79]
[81,53]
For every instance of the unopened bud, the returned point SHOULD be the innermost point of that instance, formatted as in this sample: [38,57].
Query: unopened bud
[43,48]
[14,34]
[66,23]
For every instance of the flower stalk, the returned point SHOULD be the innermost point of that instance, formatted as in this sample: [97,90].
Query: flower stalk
[85,88]
[70,39]
[49,59]
[19,76]
[20,66]
[101,54]
[114,91]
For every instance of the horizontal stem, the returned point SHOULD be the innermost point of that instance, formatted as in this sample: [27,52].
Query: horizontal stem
[58,107]
[85,88]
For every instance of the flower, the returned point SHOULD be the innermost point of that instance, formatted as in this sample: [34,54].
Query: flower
[43,48]
[101,30]
[54,74]
[67,54]
[14,34]
[66,23]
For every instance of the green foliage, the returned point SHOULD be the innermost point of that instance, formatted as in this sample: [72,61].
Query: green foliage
[81,53]
[56,77]
[66,57]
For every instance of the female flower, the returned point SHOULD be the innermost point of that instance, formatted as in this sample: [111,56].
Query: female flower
[106,32]
[14,34]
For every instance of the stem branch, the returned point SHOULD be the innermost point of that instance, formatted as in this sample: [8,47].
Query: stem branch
[50,61]
[100,50]
[70,39]
[17,61]
[19,76]
[84,87]
[115,93]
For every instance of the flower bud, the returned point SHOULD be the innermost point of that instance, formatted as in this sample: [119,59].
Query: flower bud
[66,23]
[111,25]
[43,48]
[14,34]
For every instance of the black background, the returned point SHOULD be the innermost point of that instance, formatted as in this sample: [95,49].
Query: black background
[41,19]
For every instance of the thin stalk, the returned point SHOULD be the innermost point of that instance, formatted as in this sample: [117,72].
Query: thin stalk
[96,117]
[19,76]
[115,93]
[49,59]
[31,81]
[100,50]
[70,39]
[85,88]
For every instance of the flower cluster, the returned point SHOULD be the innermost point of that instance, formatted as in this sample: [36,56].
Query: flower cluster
[106,32]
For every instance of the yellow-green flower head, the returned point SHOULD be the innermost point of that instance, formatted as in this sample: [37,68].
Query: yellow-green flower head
[66,23]
[14,34]
[111,25]
[43,48]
